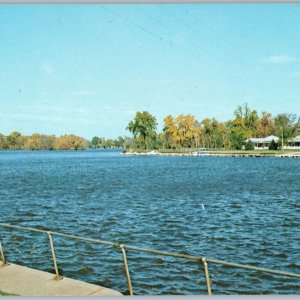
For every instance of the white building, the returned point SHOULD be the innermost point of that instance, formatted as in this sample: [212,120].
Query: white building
[293,143]
[263,143]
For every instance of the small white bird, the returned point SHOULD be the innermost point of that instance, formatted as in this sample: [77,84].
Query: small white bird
[202,205]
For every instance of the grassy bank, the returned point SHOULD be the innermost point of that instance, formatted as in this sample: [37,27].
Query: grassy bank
[6,294]
[253,152]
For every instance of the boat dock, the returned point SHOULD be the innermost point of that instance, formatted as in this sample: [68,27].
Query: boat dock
[24,281]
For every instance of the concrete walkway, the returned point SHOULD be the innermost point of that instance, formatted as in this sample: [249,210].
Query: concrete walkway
[23,281]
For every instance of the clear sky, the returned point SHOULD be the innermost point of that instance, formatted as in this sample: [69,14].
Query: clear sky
[86,69]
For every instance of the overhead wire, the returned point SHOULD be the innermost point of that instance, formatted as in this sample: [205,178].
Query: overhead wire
[217,45]
[242,54]
[161,38]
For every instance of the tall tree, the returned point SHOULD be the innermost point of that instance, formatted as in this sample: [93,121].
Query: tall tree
[286,125]
[143,128]
[186,126]
[265,125]
[170,131]
[96,142]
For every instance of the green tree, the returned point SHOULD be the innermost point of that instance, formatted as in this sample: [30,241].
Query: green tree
[15,140]
[208,133]
[237,137]
[96,142]
[286,125]
[247,119]
[143,128]
[249,145]
[120,142]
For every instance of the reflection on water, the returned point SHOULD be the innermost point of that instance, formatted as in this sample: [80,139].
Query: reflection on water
[251,216]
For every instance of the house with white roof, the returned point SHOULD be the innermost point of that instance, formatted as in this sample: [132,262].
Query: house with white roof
[263,143]
[293,143]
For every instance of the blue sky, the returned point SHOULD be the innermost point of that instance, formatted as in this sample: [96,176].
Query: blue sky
[86,69]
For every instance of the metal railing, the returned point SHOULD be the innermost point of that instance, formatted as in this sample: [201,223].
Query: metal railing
[122,247]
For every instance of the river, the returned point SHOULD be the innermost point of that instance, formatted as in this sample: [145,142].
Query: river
[244,210]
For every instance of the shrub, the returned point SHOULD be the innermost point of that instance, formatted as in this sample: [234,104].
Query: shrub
[249,146]
[273,145]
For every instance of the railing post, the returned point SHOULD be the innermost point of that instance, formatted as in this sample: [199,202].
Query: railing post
[57,276]
[206,276]
[126,270]
[2,255]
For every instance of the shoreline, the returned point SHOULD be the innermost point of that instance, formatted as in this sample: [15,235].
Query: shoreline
[209,154]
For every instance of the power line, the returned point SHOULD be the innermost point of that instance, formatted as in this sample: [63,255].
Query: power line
[209,40]
[211,30]
[161,38]
[137,25]
[172,44]
[238,50]
[241,74]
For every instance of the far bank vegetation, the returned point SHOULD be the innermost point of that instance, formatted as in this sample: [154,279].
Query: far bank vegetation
[185,131]
[179,133]
[16,141]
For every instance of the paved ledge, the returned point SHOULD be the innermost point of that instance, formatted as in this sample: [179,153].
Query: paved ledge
[23,281]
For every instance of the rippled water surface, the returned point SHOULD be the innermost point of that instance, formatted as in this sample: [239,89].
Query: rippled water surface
[251,216]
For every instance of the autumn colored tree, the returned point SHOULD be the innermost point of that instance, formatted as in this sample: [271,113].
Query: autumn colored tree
[170,131]
[33,142]
[265,125]
[186,125]
[69,142]
[3,142]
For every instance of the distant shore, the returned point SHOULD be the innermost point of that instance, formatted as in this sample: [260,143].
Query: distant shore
[224,153]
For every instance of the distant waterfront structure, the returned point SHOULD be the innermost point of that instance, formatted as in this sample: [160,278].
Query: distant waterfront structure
[263,143]
[293,143]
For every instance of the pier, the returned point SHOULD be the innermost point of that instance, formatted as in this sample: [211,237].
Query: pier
[24,281]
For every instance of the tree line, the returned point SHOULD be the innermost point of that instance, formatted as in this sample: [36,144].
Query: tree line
[16,141]
[185,131]
[101,142]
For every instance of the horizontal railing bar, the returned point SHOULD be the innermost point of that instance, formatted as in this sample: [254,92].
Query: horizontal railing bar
[23,228]
[236,265]
[96,241]
[163,252]
[186,256]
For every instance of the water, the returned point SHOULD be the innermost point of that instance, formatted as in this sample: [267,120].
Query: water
[251,216]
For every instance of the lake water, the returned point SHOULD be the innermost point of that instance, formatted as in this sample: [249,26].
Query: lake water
[251,216]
